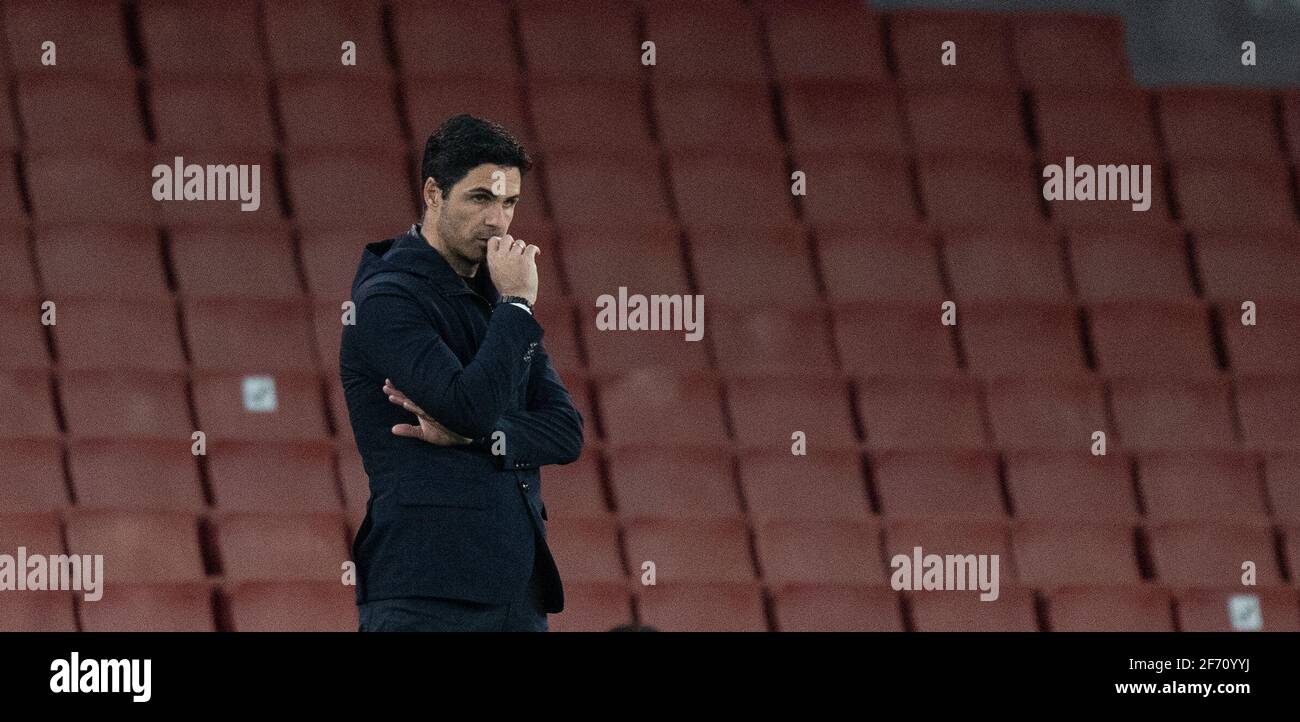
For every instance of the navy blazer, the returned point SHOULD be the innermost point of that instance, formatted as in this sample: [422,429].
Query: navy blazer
[457,521]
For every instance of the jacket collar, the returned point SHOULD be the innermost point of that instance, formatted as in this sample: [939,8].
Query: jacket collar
[413,253]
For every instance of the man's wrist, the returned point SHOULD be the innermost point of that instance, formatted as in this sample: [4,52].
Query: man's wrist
[518,301]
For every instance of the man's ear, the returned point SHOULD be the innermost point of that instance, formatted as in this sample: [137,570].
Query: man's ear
[430,194]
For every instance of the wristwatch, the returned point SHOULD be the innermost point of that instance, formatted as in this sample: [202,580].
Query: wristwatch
[518,301]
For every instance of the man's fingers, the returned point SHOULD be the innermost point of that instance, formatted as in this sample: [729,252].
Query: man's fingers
[407,430]
[494,244]
[532,252]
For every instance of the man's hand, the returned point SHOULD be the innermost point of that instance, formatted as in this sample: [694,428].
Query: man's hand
[513,267]
[428,429]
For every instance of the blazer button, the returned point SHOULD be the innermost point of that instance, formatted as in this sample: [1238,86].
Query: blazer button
[523,485]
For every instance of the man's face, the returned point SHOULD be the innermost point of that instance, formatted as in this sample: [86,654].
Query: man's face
[478,207]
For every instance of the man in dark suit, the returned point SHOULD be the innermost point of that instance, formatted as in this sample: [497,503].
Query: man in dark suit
[454,536]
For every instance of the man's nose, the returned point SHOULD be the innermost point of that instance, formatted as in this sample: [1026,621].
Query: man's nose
[497,217]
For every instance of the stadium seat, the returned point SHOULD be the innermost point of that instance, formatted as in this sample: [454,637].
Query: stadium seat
[249,335]
[40,533]
[963,191]
[1291,552]
[702,607]
[920,413]
[851,190]
[613,350]
[682,409]
[879,264]
[288,407]
[590,116]
[264,189]
[586,549]
[704,117]
[89,36]
[429,39]
[11,200]
[1218,124]
[671,484]
[305,37]
[349,187]
[825,41]
[212,113]
[580,40]
[292,606]
[1115,124]
[330,257]
[936,484]
[201,39]
[561,342]
[38,611]
[1075,552]
[1073,485]
[246,264]
[100,403]
[1129,265]
[943,611]
[571,490]
[1238,265]
[1119,209]
[1074,50]
[1269,412]
[836,608]
[1152,338]
[1005,264]
[139,546]
[1155,414]
[693,41]
[1109,609]
[1234,197]
[735,262]
[284,477]
[1046,413]
[26,405]
[430,101]
[1207,486]
[750,340]
[1291,123]
[17,276]
[1021,338]
[950,536]
[644,258]
[1270,346]
[101,261]
[25,345]
[57,189]
[983,56]
[958,120]
[31,476]
[1282,481]
[675,546]
[823,486]
[605,189]
[357,113]
[761,180]
[281,547]
[125,473]
[766,410]
[592,607]
[137,334]
[107,115]
[833,116]
[904,338]
[180,607]
[1212,553]
[1270,609]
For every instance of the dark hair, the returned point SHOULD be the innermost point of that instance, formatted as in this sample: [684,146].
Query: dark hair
[464,142]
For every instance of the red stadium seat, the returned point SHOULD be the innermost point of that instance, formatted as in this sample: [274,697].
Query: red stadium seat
[288,407]
[139,546]
[1212,553]
[587,549]
[894,338]
[766,410]
[37,611]
[1172,414]
[1152,338]
[1118,210]
[1213,610]
[580,39]
[1282,480]
[1234,197]
[326,188]
[1005,264]
[1238,265]
[920,413]
[1218,123]
[330,257]
[340,113]
[561,342]
[702,607]
[230,212]
[1210,486]
[852,190]
[950,536]
[26,405]
[674,547]
[1114,124]
[729,260]
[657,408]
[572,490]
[1046,413]
[1061,49]
[57,188]
[672,484]
[645,258]
[836,608]
[17,276]
[25,345]
[89,36]
[942,611]
[101,261]
[879,264]
[825,41]
[983,56]
[705,116]
[1071,485]
[281,547]
[590,116]
[238,334]
[430,101]
[930,484]
[693,41]
[958,120]
[1109,609]
[1021,338]
[760,179]
[293,606]
[31,476]
[823,486]
[1269,411]
[253,263]
[1127,265]
[1291,123]
[1291,551]
[106,115]
[748,340]
[212,113]
[182,607]
[124,473]
[832,116]
[125,404]
[136,333]
[286,477]
[964,191]
[38,532]
[426,36]
[198,38]
[305,37]
[592,607]
[1075,552]
[1270,346]
[606,190]
[614,350]
[11,201]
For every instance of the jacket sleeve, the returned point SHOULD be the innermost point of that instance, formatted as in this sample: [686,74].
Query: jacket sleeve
[548,432]
[398,342]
